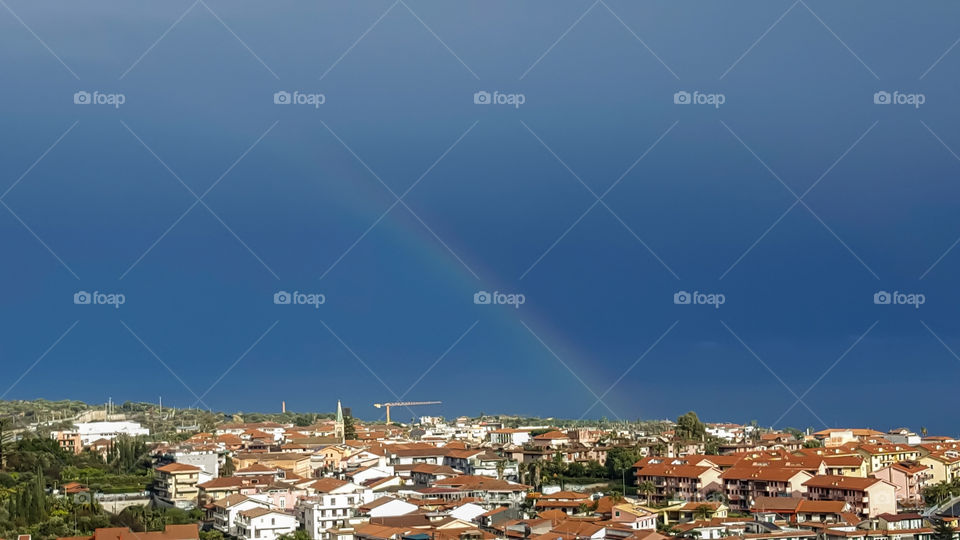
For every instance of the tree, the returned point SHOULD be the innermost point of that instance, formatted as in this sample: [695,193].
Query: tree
[797,434]
[711,446]
[812,443]
[228,467]
[620,459]
[702,512]
[690,427]
[646,488]
[212,534]
[298,534]
[127,454]
[943,531]
[349,429]
[4,425]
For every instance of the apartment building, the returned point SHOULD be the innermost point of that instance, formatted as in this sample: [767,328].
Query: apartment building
[943,459]
[264,524]
[879,456]
[489,491]
[846,466]
[69,441]
[175,484]
[909,477]
[677,479]
[330,505]
[868,497]
[295,462]
[224,511]
[795,510]
[743,485]
[507,436]
[551,439]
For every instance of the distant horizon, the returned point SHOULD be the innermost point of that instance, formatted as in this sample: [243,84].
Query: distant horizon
[95,406]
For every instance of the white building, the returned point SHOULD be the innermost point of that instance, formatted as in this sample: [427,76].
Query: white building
[387,507]
[516,437]
[91,431]
[225,511]
[468,511]
[263,524]
[332,503]
[208,461]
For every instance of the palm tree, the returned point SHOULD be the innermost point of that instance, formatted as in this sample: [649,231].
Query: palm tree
[646,487]
[943,531]
[702,512]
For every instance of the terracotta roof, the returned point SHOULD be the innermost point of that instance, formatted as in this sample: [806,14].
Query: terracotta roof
[171,532]
[673,471]
[776,504]
[326,485]
[841,482]
[551,435]
[178,467]
[229,500]
[483,483]
[565,495]
[257,467]
[843,461]
[769,474]
[256,512]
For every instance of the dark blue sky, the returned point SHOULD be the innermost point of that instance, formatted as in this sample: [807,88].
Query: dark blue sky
[498,200]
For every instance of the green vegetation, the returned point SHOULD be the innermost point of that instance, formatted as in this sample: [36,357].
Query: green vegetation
[298,534]
[941,492]
[35,466]
[943,531]
[689,427]
[142,518]
[349,428]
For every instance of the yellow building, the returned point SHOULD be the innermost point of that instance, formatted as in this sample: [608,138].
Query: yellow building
[176,484]
[295,462]
[879,456]
[943,460]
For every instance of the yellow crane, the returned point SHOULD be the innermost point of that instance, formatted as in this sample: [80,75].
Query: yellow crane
[403,404]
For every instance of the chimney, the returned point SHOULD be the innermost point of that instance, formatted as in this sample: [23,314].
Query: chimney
[283,406]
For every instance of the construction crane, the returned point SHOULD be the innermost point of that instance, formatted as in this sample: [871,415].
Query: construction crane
[403,404]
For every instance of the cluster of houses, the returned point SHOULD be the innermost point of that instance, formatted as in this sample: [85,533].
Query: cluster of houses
[837,483]
[472,480]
